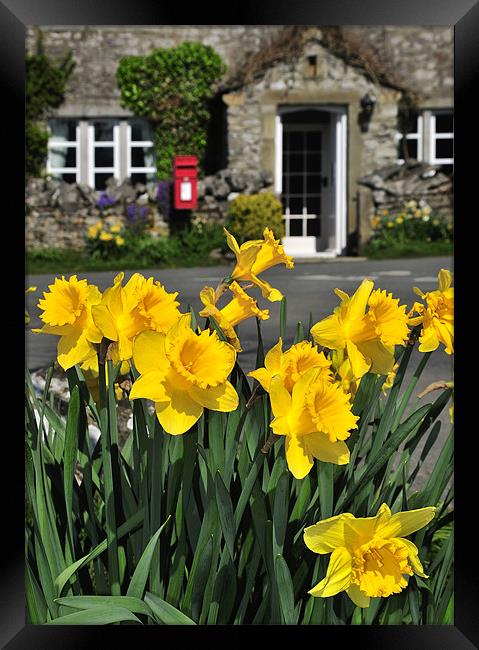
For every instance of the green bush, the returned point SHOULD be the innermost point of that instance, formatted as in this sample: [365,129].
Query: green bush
[414,228]
[250,214]
[44,91]
[172,88]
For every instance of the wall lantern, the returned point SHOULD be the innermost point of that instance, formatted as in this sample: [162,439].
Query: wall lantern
[367,103]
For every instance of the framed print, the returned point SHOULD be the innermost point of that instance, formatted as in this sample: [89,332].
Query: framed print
[241,246]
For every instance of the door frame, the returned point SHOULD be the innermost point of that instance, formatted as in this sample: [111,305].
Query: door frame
[338,173]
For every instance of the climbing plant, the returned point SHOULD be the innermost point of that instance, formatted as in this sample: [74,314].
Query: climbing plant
[44,91]
[172,88]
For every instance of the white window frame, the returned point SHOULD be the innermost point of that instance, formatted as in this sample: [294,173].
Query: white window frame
[130,144]
[65,144]
[93,144]
[417,135]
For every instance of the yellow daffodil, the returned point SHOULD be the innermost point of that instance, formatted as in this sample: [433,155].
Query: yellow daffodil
[183,373]
[90,372]
[158,307]
[93,231]
[106,236]
[255,256]
[116,228]
[119,241]
[291,365]
[390,379]
[67,312]
[240,307]
[118,317]
[368,337]
[27,315]
[437,316]
[341,366]
[315,419]
[369,555]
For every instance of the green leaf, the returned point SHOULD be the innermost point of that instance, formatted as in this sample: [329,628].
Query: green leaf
[74,421]
[225,511]
[285,590]
[138,580]
[134,605]
[166,613]
[280,513]
[96,616]
[282,318]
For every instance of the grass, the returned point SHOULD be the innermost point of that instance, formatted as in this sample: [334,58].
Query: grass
[409,249]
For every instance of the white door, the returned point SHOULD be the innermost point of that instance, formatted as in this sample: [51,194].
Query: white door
[306,186]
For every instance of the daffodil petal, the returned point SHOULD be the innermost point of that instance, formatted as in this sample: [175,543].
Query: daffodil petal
[279,396]
[179,414]
[72,349]
[445,278]
[297,457]
[272,360]
[321,447]
[359,300]
[338,575]
[150,386]
[263,376]
[267,291]
[329,333]
[359,364]
[413,557]
[328,534]
[407,522]
[381,356]
[428,340]
[357,596]
[217,398]
[149,352]
[104,321]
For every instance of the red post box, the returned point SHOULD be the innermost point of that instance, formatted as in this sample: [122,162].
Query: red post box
[185,173]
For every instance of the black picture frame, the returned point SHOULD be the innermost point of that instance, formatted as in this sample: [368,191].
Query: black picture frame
[463,15]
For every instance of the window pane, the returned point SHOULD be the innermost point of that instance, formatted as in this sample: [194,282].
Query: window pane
[101,179]
[313,140]
[141,130]
[103,156]
[313,204]
[138,178]
[444,123]
[447,169]
[296,163]
[444,148]
[296,227]
[138,157]
[64,130]
[62,157]
[314,227]
[411,149]
[69,178]
[103,130]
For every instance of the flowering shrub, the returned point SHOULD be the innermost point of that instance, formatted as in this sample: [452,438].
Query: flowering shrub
[249,214]
[414,223]
[104,240]
[228,497]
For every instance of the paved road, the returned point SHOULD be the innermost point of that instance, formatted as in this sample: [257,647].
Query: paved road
[308,288]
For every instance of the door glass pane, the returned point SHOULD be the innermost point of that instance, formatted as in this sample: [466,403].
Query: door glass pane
[314,227]
[296,141]
[103,156]
[296,184]
[295,205]
[313,203]
[313,162]
[296,227]
[313,140]
[313,183]
[296,162]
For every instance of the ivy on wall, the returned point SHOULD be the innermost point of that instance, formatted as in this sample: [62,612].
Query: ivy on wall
[172,88]
[44,91]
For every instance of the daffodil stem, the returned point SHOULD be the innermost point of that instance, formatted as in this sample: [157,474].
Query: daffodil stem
[269,443]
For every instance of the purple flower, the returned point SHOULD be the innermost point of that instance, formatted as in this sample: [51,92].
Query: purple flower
[104,200]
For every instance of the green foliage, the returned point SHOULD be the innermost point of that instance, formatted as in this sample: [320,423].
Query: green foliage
[172,87]
[205,528]
[412,230]
[140,251]
[44,91]
[250,214]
